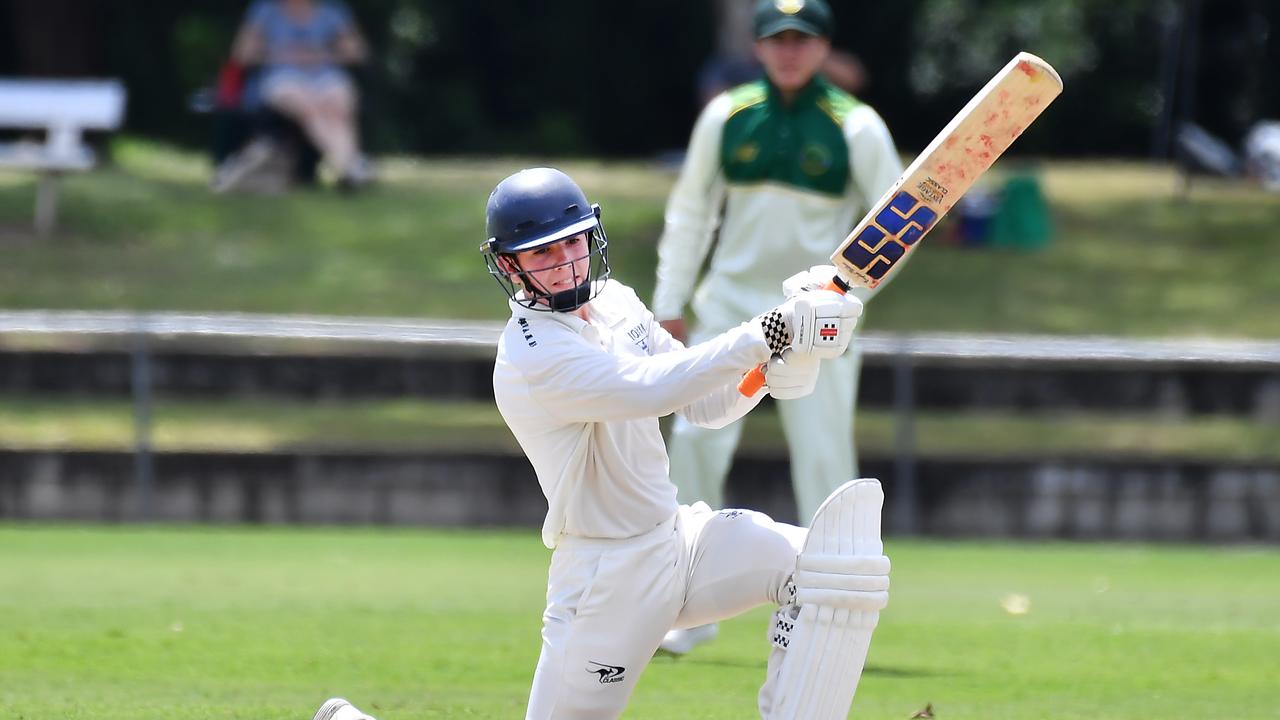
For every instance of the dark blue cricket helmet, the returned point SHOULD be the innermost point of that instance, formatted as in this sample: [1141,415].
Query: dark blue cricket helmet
[538,207]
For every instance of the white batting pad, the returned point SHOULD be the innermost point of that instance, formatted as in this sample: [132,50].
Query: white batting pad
[842,583]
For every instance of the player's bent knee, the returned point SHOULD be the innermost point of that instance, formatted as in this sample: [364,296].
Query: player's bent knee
[841,583]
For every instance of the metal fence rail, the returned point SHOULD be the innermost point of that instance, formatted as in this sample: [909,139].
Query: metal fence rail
[140,332]
[484,335]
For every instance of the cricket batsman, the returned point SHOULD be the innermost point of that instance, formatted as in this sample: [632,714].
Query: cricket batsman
[583,372]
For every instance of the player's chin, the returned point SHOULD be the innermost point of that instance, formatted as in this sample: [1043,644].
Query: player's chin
[791,80]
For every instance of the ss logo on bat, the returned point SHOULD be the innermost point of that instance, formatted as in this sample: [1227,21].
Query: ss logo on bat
[896,227]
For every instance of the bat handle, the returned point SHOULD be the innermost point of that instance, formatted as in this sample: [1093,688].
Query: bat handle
[753,379]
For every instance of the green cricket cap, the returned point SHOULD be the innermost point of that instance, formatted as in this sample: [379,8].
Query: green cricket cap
[811,17]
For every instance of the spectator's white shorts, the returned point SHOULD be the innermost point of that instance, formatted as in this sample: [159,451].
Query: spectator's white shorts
[322,81]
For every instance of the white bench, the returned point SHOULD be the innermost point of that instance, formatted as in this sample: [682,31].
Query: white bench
[63,109]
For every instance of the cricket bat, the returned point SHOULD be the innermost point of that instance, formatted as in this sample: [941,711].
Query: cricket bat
[939,177]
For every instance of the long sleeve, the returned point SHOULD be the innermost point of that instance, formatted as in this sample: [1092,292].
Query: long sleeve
[587,384]
[721,407]
[691,213]
[715,409]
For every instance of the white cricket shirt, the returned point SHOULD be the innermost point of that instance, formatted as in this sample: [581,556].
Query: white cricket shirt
[583,399]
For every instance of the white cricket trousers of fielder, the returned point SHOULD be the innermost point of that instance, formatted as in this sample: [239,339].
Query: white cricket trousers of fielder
[609,602]
[819,432]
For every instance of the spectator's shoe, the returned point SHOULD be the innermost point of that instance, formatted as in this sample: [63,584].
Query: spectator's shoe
[239,169]
[358,176]
[339,709]
[681,642]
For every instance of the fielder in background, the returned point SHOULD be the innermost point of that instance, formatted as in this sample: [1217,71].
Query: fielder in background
[782,168]
[583,372]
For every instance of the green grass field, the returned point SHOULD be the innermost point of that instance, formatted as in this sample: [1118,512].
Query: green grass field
[1133,255]
[138,623]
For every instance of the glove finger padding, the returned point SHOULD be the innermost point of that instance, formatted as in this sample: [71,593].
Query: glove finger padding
[823,322]
[815,278]
[790,375]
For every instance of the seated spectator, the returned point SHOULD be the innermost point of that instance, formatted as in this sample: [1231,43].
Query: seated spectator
[300,48]
[254,148]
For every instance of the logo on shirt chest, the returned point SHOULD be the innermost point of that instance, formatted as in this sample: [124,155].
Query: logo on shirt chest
[640,336]
[815,159]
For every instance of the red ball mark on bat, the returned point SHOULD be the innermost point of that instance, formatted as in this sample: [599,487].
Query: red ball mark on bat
[985,156]
[986,140]
[951,141]
[1016,132]
[991,119]
[1027,69]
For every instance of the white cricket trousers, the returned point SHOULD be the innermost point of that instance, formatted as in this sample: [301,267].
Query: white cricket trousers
[609,602]
[819,432]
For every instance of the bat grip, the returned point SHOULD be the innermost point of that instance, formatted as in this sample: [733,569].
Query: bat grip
[753,379]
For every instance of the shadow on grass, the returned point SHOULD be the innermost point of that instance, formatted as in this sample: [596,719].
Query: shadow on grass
[876,670]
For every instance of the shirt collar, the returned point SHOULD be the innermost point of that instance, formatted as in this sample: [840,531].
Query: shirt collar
[597,308]
[573,322]
[804,97]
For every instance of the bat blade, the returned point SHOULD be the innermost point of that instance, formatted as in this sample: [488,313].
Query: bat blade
[947,168]
[983,129]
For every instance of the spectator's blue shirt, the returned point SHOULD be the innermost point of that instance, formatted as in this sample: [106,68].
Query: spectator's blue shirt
[283,34]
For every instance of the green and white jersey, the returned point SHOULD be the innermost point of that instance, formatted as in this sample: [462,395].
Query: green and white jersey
[784,184]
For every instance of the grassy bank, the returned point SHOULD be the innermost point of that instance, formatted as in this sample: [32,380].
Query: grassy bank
[1132,255]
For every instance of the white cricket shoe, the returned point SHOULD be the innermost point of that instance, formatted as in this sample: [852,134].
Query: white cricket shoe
[339,709]
[681,642]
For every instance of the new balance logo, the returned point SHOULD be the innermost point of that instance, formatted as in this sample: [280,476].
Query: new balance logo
[607,673]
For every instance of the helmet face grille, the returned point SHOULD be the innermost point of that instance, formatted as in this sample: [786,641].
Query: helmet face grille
[527,292]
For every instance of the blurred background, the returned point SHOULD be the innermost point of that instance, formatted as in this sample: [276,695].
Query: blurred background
[1089,347]
[211,343]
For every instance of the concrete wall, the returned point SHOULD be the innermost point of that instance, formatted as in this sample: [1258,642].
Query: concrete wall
[1170,389]
[1086,499]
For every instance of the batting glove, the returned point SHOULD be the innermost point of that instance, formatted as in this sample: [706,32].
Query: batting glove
[813,322]
[815,278]
[791,375]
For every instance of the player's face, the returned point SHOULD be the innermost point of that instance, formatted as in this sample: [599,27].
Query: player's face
[791,58]
[557,267]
